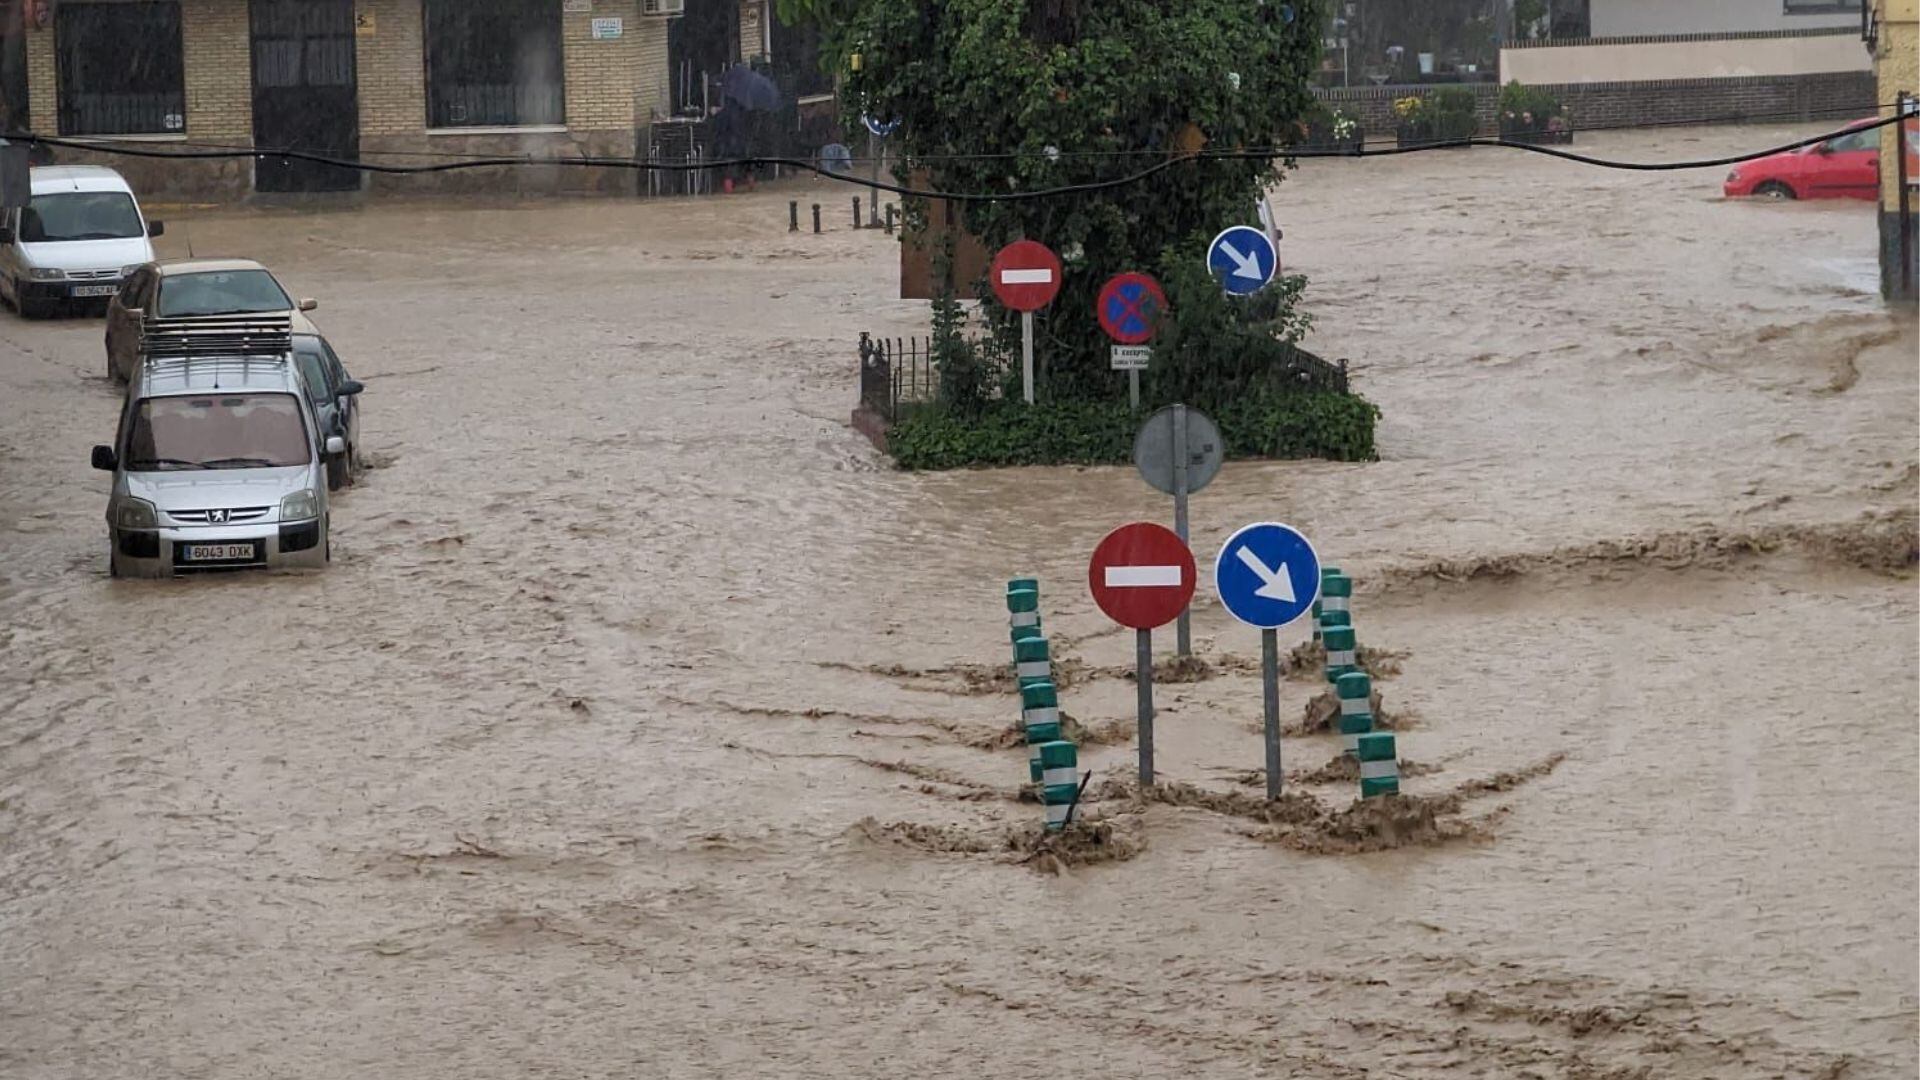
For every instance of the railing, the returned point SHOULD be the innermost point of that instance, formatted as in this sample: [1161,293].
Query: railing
[896,373]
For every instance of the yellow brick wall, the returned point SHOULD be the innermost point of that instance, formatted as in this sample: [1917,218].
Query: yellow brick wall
[391,62]
[653,85]
[601,75]
[42,91]
[1897,67]
[214,41]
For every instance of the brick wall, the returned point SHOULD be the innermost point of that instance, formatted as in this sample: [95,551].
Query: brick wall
[393,74]
[652,85]
[42,89]
[601,75]
[1833,96]
[214,40]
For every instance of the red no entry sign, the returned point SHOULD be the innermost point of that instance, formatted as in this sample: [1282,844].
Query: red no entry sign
[1129,308]
[1141,575]
[1025,275]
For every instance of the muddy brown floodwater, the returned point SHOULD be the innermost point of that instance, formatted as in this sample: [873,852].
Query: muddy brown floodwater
[647,724]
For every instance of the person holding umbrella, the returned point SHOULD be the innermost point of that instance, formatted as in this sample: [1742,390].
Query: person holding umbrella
[744,92]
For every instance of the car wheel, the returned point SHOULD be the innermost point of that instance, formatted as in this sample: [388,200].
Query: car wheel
[28,309]
[113,560]
[1775,190]
[337,472]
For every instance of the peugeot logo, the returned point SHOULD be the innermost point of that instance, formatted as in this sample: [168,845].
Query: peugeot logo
[218,517]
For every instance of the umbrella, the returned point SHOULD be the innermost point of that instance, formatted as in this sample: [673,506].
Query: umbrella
[749,89]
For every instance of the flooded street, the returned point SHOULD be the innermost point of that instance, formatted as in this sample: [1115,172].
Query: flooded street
[649,724]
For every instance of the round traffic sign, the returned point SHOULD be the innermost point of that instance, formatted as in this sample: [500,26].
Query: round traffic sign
[1243,258]
[879,128]
[1025,275]
[1141,575]
[1267,574]
[1153,449]
[1129,308]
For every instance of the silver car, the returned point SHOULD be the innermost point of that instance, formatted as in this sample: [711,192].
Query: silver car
[219,463]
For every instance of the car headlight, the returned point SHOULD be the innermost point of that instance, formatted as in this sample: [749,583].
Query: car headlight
[46,273]
[1733,176]
[127,271]
[134,514]
[300,505]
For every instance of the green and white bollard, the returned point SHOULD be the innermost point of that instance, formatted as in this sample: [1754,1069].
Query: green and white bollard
[1023,607]
[1342,655]
[1031,661]
[1379,767]
[1022,633]
[1336,594]
[1355,693]
[1059,780]
[1040,718]
[1319,603]
[1334,618]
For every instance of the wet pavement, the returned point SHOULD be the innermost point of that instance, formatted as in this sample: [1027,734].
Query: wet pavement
[648,724]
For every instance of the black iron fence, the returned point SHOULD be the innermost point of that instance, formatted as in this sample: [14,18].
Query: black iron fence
[896,374]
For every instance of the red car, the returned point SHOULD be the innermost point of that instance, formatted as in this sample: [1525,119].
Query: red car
[1846,166]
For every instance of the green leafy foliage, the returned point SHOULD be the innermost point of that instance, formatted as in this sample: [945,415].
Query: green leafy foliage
[1275,423]
[1077,92]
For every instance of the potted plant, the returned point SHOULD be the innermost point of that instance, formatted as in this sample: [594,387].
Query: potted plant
[1532,115]
[1446,117]
[1328,129]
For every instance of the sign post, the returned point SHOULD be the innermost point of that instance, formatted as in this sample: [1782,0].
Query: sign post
[1267,576]
[1178,451]
[1142,576]
[1129,311]
[1026,277]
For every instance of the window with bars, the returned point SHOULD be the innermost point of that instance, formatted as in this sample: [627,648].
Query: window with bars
[494,63]
[120,68]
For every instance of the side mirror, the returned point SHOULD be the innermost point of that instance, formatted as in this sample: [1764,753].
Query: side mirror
[336,446]
[351,387]
[104,460]
[156,228]
[308,304]
[1823,148]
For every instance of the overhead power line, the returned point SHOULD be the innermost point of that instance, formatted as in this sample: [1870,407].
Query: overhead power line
[1086,187]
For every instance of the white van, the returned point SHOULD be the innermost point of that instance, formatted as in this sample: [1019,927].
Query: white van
[79,235]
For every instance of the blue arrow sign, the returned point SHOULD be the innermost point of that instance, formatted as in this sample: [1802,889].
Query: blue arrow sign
[882,129]
[1267,575]
[1243,259]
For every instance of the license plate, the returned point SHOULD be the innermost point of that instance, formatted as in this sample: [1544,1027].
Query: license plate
[217,553]
[95,290]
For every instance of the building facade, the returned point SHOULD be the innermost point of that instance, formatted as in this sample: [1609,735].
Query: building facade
[1894,33]
[1636,18]
[388,82]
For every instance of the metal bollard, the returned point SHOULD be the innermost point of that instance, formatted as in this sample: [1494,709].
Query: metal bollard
[1059,780]
[1355,691]
[816,217]
[1040,717]
[793,215]
[1379,765]
[1341,651]
[889,225]
[856,211]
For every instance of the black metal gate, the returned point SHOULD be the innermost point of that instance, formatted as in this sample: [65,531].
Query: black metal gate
[305,93]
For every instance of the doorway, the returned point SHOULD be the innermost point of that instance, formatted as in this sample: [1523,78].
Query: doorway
[700,46]
[305,93]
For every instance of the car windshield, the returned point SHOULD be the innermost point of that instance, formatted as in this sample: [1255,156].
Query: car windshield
[221,292]
[1856,140]
[79,215]
[240,431]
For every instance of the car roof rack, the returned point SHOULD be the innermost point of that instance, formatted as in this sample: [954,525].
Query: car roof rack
[217,336]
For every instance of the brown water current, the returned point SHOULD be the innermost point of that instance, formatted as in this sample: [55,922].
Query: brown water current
[649,724]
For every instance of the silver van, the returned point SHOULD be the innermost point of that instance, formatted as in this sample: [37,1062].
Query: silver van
[79,234]
[219,461]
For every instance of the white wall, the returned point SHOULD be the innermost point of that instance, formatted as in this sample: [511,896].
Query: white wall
[1684,59]
[1631,18]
